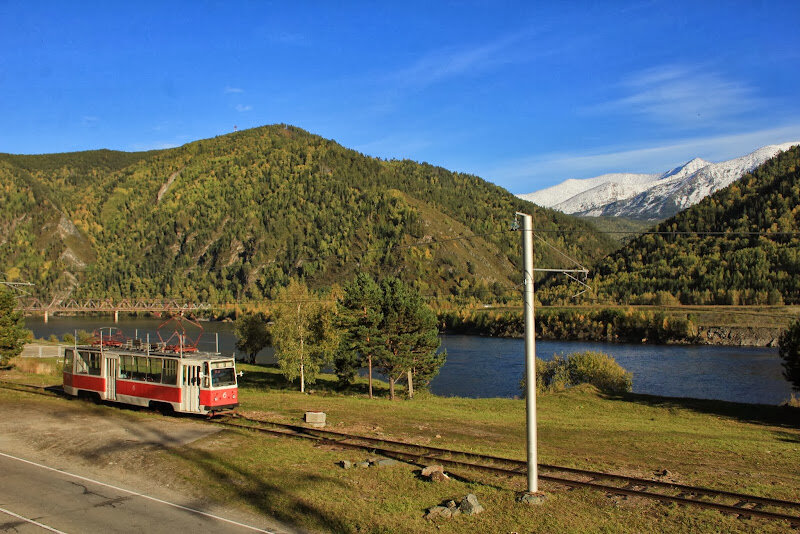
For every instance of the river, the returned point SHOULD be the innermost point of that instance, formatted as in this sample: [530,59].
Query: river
[493,367]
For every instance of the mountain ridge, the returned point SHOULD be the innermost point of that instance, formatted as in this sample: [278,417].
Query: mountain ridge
[739,245]
[237,216]
[650,196]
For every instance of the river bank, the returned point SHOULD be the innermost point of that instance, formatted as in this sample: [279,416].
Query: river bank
[642,325]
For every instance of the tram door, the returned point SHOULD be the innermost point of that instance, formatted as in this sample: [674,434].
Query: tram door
[191,388]
[111,378]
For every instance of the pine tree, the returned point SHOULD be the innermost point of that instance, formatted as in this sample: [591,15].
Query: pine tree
[360,319]
[12,331]
[251,334]
[410,335]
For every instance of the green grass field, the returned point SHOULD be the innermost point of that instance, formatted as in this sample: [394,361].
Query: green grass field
[743,448]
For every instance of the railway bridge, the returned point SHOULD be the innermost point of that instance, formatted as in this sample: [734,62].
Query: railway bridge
[34,305]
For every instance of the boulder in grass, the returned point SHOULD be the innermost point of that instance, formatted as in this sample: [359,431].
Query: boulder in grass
[385,462]
[435,473]
[438,476]
[453,507]
[429,470]
[469,505]
[439,511]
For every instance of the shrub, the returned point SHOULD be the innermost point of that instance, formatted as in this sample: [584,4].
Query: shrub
[33,365]
[595,368]
[85,338]
[789,351]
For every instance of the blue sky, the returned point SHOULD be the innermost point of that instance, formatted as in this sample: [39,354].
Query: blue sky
[523,94]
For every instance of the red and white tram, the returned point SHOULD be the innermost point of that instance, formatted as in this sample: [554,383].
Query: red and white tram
[159,376]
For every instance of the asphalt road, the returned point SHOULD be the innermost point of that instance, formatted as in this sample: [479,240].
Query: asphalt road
[37,498]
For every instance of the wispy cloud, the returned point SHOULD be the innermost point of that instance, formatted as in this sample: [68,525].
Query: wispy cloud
[681,95]
[241,108]
[89,120]
[450,62]
[232,90]
[536,172]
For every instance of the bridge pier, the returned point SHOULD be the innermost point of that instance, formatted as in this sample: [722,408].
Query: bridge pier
[116,316]
[45,317]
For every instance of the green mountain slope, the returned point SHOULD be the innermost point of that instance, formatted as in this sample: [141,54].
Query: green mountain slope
[755,261]
[237,216]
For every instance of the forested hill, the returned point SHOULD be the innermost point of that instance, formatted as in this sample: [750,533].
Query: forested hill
[237,216]
[755,261]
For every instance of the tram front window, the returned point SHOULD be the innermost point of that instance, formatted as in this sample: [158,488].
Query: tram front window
[223,377]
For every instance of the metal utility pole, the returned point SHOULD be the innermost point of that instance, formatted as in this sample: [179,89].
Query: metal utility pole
[533,496]
[530,350]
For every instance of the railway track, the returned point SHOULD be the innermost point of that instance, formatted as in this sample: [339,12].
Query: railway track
[724,501]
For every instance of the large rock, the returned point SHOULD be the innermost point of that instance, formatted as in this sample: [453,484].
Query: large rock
[438,476]
[427,471]
[439,511]
[435,473]
[469,505]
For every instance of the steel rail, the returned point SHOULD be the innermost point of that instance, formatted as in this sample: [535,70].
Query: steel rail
[521,464]
[434,454]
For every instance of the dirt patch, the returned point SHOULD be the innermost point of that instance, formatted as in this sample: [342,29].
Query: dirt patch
[119,445]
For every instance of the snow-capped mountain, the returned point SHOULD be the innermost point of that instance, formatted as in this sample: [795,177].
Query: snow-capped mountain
[650,196]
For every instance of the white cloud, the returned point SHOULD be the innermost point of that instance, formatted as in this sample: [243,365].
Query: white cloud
[681,96]
[232,90]
[450,62]
[525,175]
[242,108]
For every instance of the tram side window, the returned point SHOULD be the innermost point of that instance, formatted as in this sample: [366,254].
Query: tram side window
[69,359]
[94,363]
[140,368]
[82,363]
[127,367]
[154,373]
[170,375]
[87,363]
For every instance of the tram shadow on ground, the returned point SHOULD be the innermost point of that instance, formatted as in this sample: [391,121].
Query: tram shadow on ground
[227,481]
[760,414]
